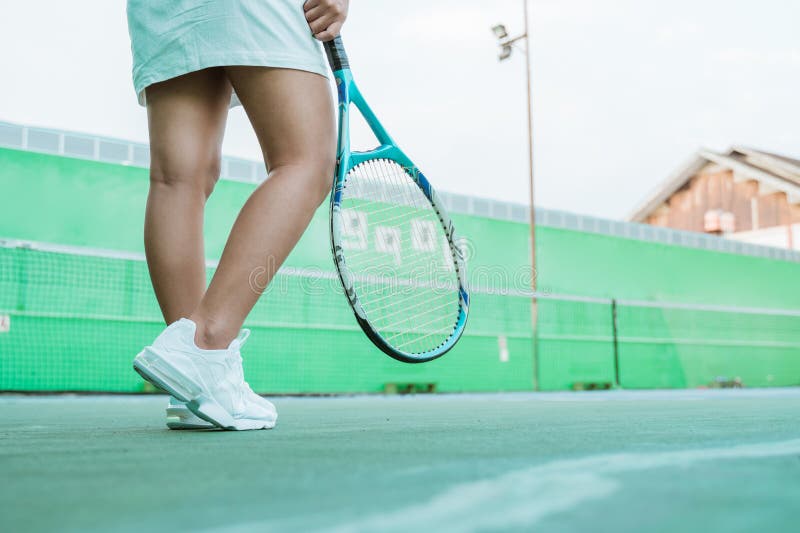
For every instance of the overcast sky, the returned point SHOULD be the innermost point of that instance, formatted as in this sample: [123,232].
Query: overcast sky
[624,90]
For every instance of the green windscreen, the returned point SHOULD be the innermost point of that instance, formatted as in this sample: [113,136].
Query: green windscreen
[73,319]
[77,320]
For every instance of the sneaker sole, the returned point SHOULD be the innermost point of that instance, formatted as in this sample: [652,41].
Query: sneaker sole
[174,422]
[182,418]
[155,370]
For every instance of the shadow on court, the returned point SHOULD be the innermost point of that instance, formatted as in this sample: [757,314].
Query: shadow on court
[614,461]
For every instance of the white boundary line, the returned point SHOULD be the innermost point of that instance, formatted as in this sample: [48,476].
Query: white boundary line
[520,499]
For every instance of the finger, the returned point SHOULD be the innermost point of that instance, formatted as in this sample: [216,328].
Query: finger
[310,4]
[321,24]
[324,36]
[330,33]
[314,13]
[336,28]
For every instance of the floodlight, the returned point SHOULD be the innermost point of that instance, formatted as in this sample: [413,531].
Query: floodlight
[500,31]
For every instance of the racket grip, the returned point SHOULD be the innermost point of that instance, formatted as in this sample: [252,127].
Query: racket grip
[337,57]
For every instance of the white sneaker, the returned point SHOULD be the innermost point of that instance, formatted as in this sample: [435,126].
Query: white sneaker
[210,382]
[180,417]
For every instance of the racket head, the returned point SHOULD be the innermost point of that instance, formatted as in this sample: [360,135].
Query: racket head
[397,256]
[394,246]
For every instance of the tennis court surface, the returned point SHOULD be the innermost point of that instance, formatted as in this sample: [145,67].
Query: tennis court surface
[724,460]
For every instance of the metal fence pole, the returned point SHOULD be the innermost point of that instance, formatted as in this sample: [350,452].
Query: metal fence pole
[615,331]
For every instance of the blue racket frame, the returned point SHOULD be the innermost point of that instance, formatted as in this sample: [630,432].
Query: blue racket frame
[348,93]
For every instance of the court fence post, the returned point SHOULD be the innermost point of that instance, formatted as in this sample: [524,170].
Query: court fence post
[615,337]
[532,222]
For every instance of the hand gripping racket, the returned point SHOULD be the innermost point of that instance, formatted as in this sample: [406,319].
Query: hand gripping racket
[393,244]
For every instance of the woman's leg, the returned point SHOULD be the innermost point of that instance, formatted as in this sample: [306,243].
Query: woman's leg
[186,117]
[293,117]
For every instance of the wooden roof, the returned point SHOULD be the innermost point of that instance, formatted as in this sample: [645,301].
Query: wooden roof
[774,171]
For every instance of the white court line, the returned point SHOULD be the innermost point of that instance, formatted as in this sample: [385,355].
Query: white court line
[525,497]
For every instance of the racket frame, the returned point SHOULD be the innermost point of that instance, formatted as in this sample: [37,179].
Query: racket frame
[347,94]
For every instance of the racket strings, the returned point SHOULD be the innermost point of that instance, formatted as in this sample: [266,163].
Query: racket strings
[416,327]
[399,256]
[419,260]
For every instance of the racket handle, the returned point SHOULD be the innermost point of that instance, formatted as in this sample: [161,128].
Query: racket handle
[337,57]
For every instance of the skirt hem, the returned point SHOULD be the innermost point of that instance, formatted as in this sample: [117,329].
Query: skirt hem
[249,59]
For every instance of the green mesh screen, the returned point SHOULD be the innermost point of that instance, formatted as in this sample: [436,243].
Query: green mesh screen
[575,343]
[684,346]
[74,321]
[77,320]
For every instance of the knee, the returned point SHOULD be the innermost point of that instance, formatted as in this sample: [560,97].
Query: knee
[324,169]
[323,177]
[199,176]
[315,171]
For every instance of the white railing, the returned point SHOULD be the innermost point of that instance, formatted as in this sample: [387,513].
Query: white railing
[123,152]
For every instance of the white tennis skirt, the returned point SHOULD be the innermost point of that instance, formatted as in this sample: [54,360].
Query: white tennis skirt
[170,38]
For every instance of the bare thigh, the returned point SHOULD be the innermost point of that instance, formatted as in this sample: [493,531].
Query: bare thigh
[186,119]
[292,114]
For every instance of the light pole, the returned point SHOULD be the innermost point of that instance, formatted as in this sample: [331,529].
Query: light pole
[506,47]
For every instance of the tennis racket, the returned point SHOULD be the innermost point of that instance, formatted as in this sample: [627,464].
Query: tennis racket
[393,244]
